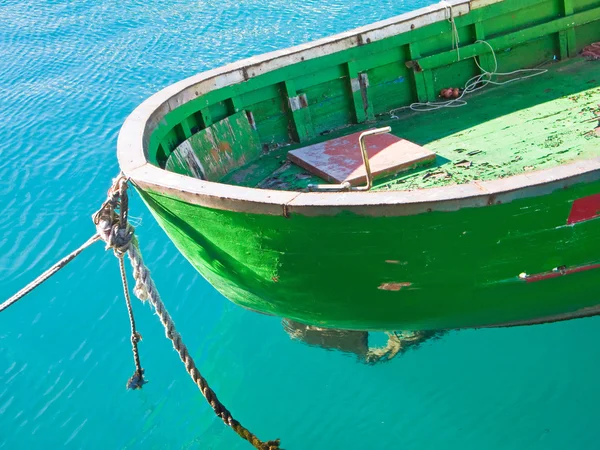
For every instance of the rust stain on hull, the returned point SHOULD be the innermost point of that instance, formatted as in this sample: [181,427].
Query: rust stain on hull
[393,286]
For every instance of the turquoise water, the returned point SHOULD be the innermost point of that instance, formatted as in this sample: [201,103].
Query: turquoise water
[70,72]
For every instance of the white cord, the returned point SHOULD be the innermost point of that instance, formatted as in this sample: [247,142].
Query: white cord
[450,18]
[474,84]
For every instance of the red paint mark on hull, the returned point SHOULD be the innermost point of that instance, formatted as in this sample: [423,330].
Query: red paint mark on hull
[394,286]
[558,272]
[585,208]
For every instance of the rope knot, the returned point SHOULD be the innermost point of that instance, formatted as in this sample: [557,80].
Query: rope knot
[120,239]
[112,227]
[111,219]
[137,380]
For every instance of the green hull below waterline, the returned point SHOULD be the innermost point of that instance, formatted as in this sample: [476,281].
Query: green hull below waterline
[433,270]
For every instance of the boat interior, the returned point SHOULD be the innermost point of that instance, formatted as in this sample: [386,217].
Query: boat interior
[458,93]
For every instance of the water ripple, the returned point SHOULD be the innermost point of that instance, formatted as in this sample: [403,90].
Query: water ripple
[71,72]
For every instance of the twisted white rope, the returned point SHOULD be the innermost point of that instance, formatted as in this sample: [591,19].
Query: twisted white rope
[112,227]
[47,274]
[473,84]
[119,235]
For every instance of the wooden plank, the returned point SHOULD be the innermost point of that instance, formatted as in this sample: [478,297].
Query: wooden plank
[370,60]
[215,151]
[419,76]
[185,162]
[510,40]
[317,65]
[357,98]
[363,80]
[235,104]
[429,85]
[563,44]
[309,80]
[339,160]
[185,126]
[365,52]
[486,60]
[570,33]
[205,117]
[299,111]
[359,85]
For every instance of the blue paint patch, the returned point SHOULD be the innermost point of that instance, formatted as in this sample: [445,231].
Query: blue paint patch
[396,81]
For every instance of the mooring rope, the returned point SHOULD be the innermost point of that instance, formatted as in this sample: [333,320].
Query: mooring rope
[47,274]
[146,290]
[113,228]
[119,235]
[137,380]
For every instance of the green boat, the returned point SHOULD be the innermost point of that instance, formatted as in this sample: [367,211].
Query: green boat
[436,170]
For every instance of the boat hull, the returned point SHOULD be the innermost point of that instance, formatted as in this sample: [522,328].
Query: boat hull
[469,267]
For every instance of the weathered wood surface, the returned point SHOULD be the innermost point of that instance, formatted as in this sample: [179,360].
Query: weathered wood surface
[299,93]
[343,82]
[340,160]
[215,151]
[534,124]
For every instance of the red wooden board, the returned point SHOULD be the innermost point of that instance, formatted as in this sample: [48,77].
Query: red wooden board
[339,160]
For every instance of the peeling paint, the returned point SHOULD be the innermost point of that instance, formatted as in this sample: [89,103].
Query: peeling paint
[294,103]
[393,286]
[217,150]
[185,157]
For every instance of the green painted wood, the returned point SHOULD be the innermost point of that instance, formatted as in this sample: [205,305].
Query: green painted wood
[235,105]
[525,17]
[357,97]
[219,110]
[512,39]
[529,125]
[563,44]
[329,104]
[428,271]
[390,85]
[307,67]
[486,61]
[213,152]
[366,91]
[418,75]
[581,5]
[430,85]
[205,117]
[500,20]
[185,127]
[570,32]
[299,112]
[369,61]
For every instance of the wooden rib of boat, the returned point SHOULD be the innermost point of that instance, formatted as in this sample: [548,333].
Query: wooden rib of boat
[482,215]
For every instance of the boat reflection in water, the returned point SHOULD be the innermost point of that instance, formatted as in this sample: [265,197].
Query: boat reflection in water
[357,342]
